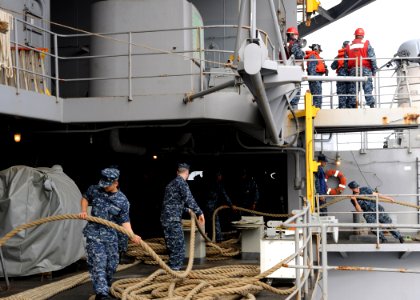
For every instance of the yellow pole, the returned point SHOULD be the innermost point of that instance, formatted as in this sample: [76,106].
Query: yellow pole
[311,165]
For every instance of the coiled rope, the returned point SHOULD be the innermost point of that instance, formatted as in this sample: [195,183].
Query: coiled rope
[199,284]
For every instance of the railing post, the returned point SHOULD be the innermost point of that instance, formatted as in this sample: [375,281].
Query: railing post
[377,89]
[201,60]
[17,56]
[130,67]
[305,253]
[57,81]
[358,102]
[377,219]
[324,262]
[297,258]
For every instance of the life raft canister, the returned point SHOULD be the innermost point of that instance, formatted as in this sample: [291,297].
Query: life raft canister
[341,182]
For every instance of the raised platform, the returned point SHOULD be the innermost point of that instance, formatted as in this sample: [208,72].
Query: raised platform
[354,120]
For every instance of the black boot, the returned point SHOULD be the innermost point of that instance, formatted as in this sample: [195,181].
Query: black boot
[125,259]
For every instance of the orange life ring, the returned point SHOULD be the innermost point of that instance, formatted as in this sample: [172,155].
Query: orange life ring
[341,182]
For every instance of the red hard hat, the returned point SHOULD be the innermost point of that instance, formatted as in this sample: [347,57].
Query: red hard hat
[359,31]
[292,30]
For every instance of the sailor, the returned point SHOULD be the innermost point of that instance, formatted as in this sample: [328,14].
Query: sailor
[316,67]
[177,199]
[340,66]
[369,207]
[248,194]
[215,196]
[294,47]
[361,53]
[321,184]
[108,203]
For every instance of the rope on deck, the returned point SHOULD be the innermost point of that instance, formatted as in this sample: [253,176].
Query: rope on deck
[207,284]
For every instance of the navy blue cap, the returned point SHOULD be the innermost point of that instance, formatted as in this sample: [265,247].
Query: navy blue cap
[109,175]
[183,166]
[353,184]
[322,157]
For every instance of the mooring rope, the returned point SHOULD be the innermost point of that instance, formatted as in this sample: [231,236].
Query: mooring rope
[368,198]
[198,284]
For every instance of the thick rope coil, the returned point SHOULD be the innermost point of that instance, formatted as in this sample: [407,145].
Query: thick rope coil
[225,280]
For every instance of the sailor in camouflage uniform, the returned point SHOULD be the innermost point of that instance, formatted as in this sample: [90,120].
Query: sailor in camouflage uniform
[360,52]
[248,194]
[294,47]
[316,67]
[101,241]
[177,200]
[215,196]
[340,66]
[370,207]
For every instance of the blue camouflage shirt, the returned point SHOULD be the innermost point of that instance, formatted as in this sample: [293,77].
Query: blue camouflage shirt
[217,196]
[296,50]
[178,199]
[320,183]
[368,205]
[113,207]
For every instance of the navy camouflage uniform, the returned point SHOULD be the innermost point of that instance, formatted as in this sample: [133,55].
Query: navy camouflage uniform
[314,86]
[248,193]
[295,50]
[122,242]
[321,188]
[367,85]
[216,196]
[102,241]
[339,64]
[177,200]
[369,207]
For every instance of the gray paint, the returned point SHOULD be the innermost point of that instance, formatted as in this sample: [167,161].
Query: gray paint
[392,171]
[349,285]
[139,16]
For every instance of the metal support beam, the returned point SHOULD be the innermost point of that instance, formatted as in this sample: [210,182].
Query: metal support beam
[311,165]
[344,8]
[190,98]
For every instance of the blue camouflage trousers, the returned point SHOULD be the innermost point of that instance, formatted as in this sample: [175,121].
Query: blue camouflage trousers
[316,90]
[367,88]
[209,226]
[122,242]
[174,238]
[323,211]
[384,219]
[102,260]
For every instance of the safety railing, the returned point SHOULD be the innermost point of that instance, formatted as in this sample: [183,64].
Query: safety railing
[211,60]
[388,88]
[311,224]
[205,59]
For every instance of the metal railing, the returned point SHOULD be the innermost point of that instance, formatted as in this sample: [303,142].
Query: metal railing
[216,56]
[306,227]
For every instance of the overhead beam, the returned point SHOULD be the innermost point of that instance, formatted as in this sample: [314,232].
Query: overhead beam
[326,17]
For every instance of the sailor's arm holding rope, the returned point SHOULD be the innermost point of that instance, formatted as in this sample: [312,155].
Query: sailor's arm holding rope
[127,225]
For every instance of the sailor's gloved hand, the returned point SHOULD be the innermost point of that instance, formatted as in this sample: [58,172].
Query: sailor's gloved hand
[326,71]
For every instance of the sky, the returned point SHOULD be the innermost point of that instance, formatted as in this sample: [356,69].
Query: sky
[387,25]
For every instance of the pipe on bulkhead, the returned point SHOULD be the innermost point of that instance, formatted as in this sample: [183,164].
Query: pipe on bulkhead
[117,146]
